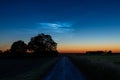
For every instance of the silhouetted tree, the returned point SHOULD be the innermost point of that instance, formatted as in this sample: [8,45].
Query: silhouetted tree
[42,44]
[18,48]
[1,52]
[6,53]
[95,52]
[109,52]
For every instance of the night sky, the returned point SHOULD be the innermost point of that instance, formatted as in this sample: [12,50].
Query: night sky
[76,25]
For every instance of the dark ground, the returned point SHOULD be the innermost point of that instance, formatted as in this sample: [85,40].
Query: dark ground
[71,67]
[25,69]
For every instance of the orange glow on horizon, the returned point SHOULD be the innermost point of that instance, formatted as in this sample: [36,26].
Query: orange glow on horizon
[83,49]
[4,47]
[77,48]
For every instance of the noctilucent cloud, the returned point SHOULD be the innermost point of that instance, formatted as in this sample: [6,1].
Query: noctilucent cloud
[76,25]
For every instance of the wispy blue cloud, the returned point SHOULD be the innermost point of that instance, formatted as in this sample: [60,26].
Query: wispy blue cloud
[56,27]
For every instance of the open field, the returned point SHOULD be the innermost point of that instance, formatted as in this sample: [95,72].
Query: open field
[97,67]
[107,58]
[114,58]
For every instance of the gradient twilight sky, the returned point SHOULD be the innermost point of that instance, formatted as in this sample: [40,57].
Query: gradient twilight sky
[76,25]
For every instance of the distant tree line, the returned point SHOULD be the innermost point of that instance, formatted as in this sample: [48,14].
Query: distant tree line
[98,52]
[40,45]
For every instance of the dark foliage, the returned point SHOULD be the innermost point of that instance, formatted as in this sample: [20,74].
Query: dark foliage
[42,45]
[1,52]
[109,52]
[18,48]
[95,52]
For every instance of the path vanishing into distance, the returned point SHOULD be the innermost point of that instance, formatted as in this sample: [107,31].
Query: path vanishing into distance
[64,70]
[33,69]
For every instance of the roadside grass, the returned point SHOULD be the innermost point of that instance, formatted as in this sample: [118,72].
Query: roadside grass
[109,58]
[94,69]
[35,73]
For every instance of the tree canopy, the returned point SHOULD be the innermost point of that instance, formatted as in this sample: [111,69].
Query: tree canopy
[18,47]
[42,43]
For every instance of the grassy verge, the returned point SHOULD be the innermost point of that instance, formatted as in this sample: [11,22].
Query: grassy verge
[109,58]
[96,70]
[37,73]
